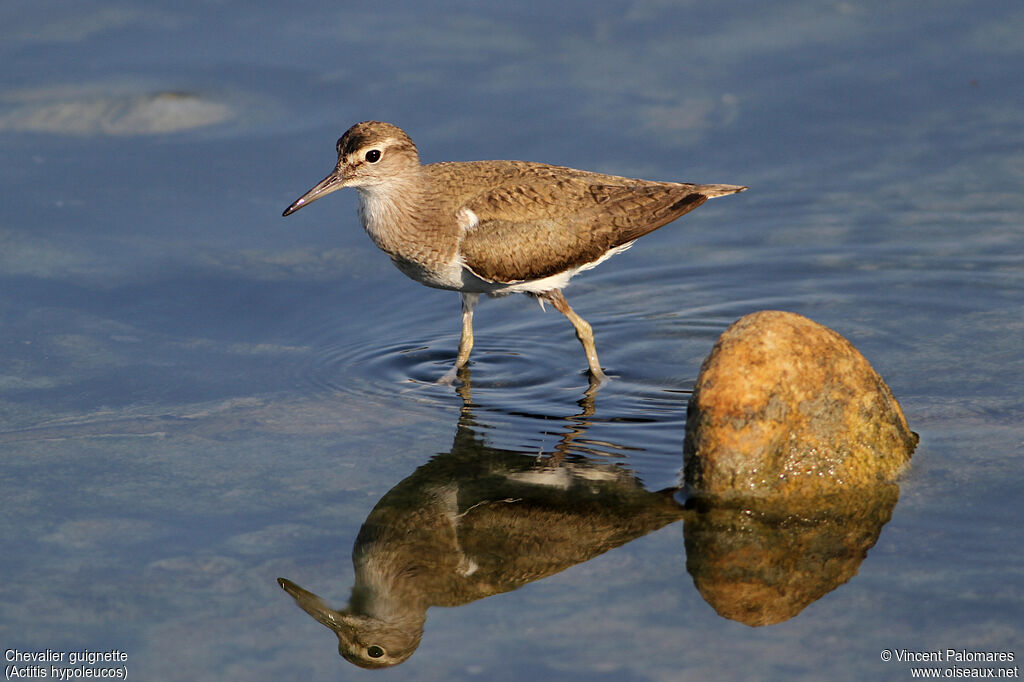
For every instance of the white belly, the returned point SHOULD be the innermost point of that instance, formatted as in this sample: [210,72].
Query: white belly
[474,284]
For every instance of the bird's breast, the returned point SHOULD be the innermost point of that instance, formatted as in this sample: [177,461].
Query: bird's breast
[437,275]
[421,237]
[381,219]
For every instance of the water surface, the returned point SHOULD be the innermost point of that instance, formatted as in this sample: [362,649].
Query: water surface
[198,397]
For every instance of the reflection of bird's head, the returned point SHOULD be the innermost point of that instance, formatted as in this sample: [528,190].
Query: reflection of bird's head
[371,643]
[368,642]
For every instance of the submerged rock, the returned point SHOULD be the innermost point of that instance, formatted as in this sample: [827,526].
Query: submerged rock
[109,110]
[786,407]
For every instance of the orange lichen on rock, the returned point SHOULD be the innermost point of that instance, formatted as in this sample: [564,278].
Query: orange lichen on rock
[784,406]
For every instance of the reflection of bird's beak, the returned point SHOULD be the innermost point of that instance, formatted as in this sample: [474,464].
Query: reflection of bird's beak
[332,182]
[310,603]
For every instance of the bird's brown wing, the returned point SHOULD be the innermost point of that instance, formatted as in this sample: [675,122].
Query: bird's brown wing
[520,238]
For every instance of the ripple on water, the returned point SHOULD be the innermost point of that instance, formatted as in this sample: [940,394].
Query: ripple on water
[528,385]
[369,367]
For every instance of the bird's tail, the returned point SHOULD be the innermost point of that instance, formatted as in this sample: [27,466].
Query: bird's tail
[712,191]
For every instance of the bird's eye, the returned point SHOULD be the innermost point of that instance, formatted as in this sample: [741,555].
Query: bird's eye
[373,156]
[374,651]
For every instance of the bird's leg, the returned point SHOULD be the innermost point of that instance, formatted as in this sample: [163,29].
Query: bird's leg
[466,341]
[583,331]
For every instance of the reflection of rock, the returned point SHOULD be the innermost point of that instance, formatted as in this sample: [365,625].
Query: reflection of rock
[761,562]
[473,523]
[100,110]
[785,406]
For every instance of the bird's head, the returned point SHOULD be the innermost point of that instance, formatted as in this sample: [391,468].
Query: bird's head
[371,154]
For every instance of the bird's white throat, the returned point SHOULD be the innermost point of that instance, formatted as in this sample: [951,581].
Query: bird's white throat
[387,211]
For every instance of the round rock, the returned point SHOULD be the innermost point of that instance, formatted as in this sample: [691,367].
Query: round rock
[784,406]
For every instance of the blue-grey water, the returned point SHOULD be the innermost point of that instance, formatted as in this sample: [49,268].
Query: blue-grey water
[198,396]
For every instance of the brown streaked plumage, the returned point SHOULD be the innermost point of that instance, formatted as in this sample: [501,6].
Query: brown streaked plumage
[497,227]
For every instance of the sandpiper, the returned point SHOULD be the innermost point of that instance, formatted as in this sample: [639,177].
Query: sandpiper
[497,227]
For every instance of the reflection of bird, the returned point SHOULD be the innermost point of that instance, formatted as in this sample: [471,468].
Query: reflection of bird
[497,227]
[473,523]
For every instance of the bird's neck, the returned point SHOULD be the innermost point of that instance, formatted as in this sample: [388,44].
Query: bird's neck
[404,221]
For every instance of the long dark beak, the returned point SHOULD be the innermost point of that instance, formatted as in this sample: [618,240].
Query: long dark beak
[331,183]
